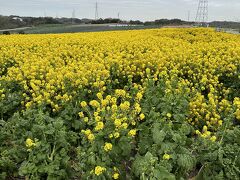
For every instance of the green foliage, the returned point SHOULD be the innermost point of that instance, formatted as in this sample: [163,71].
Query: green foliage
[220,159]
[165,147]
[190,156]
[51,155]
[147,167]
[11,102]
[167,131]
[232,82]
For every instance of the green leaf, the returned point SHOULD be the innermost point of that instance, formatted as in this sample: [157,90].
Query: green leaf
[185,129]
[161,173]
[186,161]
[125,145]
[158,135]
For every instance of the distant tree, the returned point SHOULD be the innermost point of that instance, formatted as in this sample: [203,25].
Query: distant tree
[137,22]
[6,33]
[149,23]
[9,22]
[225,24]
[21,32]
[170,22]
[106,21]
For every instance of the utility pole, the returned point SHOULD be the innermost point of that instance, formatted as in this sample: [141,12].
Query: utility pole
[45,14]
[202,13]
[73,15]
[96,11]
[119,21]
[189,12]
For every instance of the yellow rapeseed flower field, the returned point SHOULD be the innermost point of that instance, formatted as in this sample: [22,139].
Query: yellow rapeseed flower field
[97,83]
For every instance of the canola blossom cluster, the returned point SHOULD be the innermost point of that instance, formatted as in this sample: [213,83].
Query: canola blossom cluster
[103,77]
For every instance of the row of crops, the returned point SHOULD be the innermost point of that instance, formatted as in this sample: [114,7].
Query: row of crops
[148,104]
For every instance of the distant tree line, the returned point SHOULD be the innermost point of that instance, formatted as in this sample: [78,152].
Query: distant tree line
[6,22]
[30,21]
[225,24]
[105,21]
[167,22]
[137,22]
[10,22]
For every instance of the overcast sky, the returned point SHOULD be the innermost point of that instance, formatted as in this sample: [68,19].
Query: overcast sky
[129,9]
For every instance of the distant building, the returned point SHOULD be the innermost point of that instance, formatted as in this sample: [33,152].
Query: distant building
[17,18]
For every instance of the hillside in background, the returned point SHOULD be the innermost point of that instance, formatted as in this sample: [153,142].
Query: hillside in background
[225,24]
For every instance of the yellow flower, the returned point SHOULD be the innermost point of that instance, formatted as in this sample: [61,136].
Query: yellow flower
[114,107]
[108,147]
[99,126]
[139,96]
[207,133]
[220,122]
[87,132]
[98,118]
[108,108]
[237,114]
[166,157]
[110,136]
[148,71]
[132,132]
[124,125]
[197,132]
[142,116]
[28,105]
[83,104]
[30,143]
[115,175]
[113,100]
[81,115]
[108,97]
[94,103]
[125,106]
[91,137]
[95,114]
[99,170]
[213,138]
[137,108]
[120,92]
[104,102]
[116,135]
[205,128]
[85,119]
[117,122]
[99,95]
[169,115]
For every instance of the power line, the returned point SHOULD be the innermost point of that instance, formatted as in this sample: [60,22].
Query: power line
[96,11]
[118,15]
[202,13]
[189,13]
[45,14]
[73,15]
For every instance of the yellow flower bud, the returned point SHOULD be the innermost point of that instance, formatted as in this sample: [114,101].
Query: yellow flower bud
[166,157]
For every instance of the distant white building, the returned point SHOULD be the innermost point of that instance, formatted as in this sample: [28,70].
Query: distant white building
[17,18]
[121,25]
